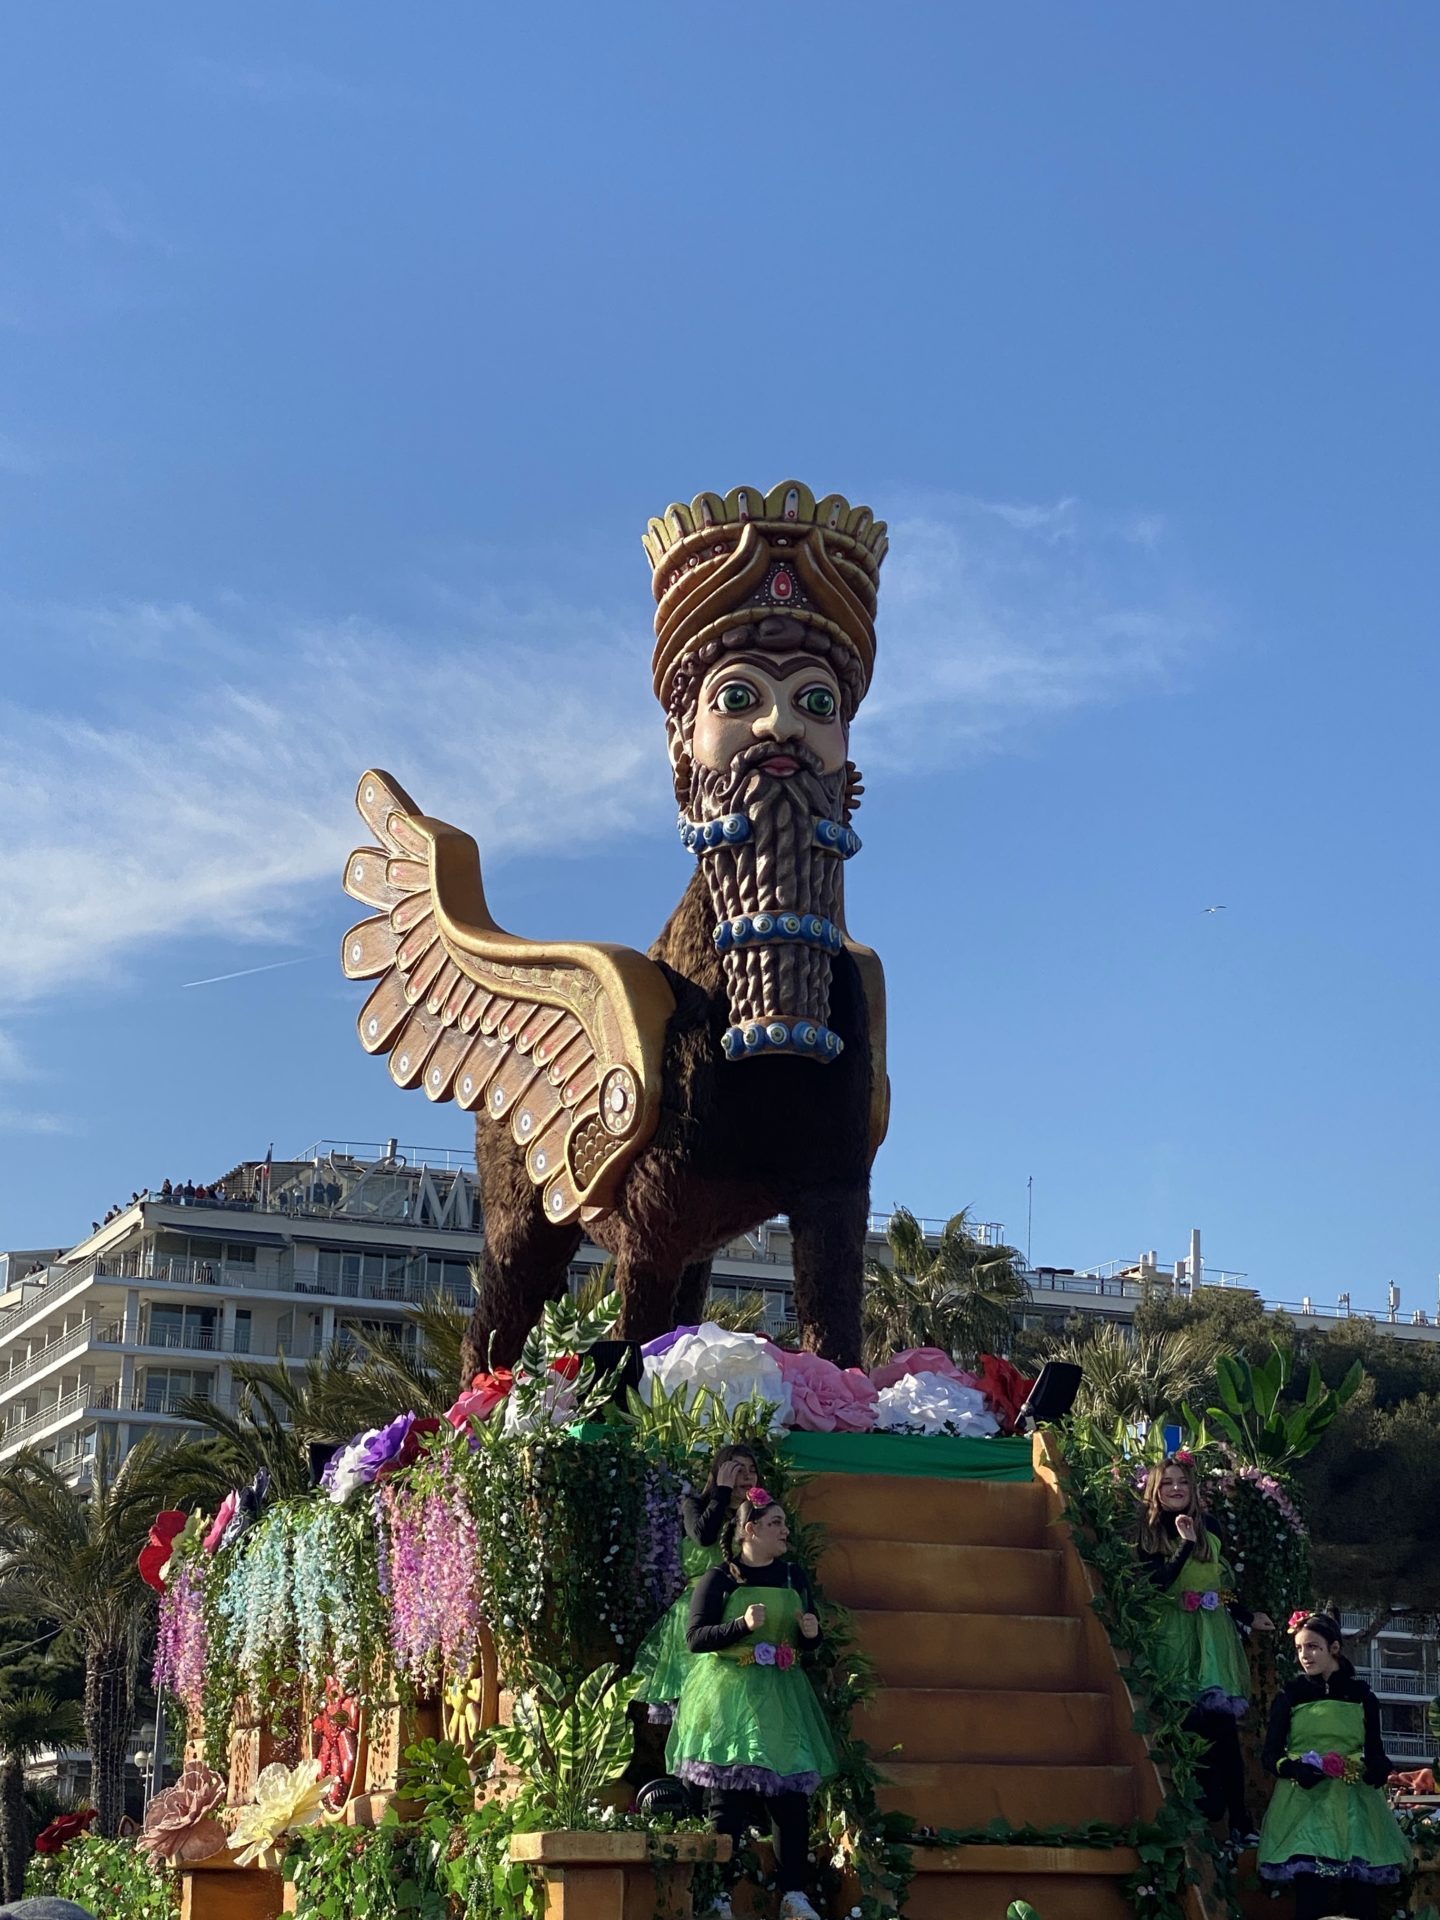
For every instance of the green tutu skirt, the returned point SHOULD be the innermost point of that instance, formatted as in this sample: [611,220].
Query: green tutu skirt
[1332,1830]
[1199,1645]
[664,1656]
[756,1727]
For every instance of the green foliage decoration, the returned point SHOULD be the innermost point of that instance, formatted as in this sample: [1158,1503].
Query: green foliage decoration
[389,1872]
[1253,1420]
[571,1741]
[109,1877]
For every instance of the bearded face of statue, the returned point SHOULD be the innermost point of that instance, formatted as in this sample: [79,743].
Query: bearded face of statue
[760,728]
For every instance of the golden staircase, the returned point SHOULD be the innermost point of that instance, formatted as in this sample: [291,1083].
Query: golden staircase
[1000,1696]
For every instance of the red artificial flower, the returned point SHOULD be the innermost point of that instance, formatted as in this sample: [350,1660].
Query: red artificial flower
[1005,1387]
[1184,1456]
[155,1554]
[66,1826]
[567,1366]
[1333,1766]
[485,1393]
[411,1450]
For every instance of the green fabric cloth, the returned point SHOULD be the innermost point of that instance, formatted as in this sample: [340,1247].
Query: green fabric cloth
[664,1657]
[933,1456]
[762,1717]
[1203,1648]
[1335,1825]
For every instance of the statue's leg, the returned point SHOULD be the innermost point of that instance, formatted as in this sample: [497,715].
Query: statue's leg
[648,1289]
[525,1263]
[693,1292]
[828,1229]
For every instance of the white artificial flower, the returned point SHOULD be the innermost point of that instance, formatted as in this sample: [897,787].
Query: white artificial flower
[932,1402]
[734,1366]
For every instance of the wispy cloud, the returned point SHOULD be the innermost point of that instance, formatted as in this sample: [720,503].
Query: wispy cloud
[998,617]
[272,83]
[208,787]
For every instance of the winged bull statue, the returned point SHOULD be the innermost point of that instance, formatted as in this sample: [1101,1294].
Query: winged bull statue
[666,1103]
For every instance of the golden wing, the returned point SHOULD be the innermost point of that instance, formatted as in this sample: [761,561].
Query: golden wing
[561,1041]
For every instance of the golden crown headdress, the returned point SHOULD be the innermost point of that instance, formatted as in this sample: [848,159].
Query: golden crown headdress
[785,552]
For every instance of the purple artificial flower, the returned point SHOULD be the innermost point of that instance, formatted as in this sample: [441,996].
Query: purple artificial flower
[358,1464]
[765,1652]
[1210,1601]
[653,1348]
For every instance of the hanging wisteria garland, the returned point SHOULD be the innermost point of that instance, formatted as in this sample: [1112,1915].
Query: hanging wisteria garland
[428,1562]
[180,1640]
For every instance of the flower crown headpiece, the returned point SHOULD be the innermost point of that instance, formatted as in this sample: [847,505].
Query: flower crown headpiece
[1182,1456]
[1296,1621]
[759,1498]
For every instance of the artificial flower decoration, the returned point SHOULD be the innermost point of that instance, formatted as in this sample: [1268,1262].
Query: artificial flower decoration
[215,1538]
[359,1464]
[785,1656]
[662,1343]
[759,1499]
[1332,1765]
[64,1828]
[248,1504]
[286,1799]
[486,1392]
[1184,1456]
[413,1448]
[338,1745]
[1005,1387]
[765,1652]
[920,1360]
[825,1398]
[549,1405]
[154,1561]
[1296,1620]
[180,1825]
[932,1403]
[735,1367]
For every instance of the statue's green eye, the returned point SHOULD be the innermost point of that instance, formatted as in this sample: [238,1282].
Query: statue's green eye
[818,702]
[735,698]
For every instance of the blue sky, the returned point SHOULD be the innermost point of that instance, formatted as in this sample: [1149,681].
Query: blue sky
[344,353]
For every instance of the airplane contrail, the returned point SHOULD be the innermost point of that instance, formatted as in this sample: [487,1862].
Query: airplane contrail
[215,978]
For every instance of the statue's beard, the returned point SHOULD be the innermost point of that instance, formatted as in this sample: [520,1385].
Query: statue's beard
[779,869]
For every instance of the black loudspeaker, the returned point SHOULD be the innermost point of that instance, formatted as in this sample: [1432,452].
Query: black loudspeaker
[621,1360]
[1052,1396]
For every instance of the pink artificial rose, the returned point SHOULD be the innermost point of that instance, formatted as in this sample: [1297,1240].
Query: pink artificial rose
[785,1656]
[1333,1766]
[825,1398]
[482,1397]
[1192,1603]
[221,1522]
[920,1360]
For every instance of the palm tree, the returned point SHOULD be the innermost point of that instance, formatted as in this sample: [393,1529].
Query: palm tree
[1134,1377]
[955,1293]
[70,1556]
[30,1721]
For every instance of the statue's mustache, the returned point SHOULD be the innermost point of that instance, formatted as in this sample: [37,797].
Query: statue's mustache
[796,750]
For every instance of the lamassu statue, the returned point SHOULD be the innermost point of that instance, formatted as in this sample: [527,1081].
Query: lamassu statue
[666,1104]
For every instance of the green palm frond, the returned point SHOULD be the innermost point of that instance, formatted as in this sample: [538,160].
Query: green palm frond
[955,1293]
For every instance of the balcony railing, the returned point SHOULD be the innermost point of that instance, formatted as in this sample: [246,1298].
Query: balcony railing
[1407,1748]
[159,1404]
[1400,1686]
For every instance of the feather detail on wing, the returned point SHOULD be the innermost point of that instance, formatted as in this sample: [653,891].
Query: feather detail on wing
[560,1041]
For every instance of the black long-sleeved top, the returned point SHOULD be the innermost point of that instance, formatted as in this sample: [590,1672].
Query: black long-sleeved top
[708,1629]
[1163,1570]
[1340,1685]
[703,1515]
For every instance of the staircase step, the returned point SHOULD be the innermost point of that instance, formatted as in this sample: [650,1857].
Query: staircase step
[1061,1883]
[1036,1651]
[1000,1724]
[976,1513]
[962,1795]
[916,1576]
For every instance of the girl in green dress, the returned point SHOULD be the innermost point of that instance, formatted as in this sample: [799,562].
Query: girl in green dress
[749,1729]
[1329,1830]
[663,1657]
[1203,1631]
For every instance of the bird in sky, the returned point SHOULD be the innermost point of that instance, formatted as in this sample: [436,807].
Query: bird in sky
[1214,909]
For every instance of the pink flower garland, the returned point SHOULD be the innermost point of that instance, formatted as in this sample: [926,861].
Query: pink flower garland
[180,1642]
[430,1552]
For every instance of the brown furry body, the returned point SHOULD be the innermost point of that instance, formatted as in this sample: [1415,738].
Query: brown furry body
[738,1141]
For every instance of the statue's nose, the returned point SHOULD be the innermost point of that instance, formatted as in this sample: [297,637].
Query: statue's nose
[778,724]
